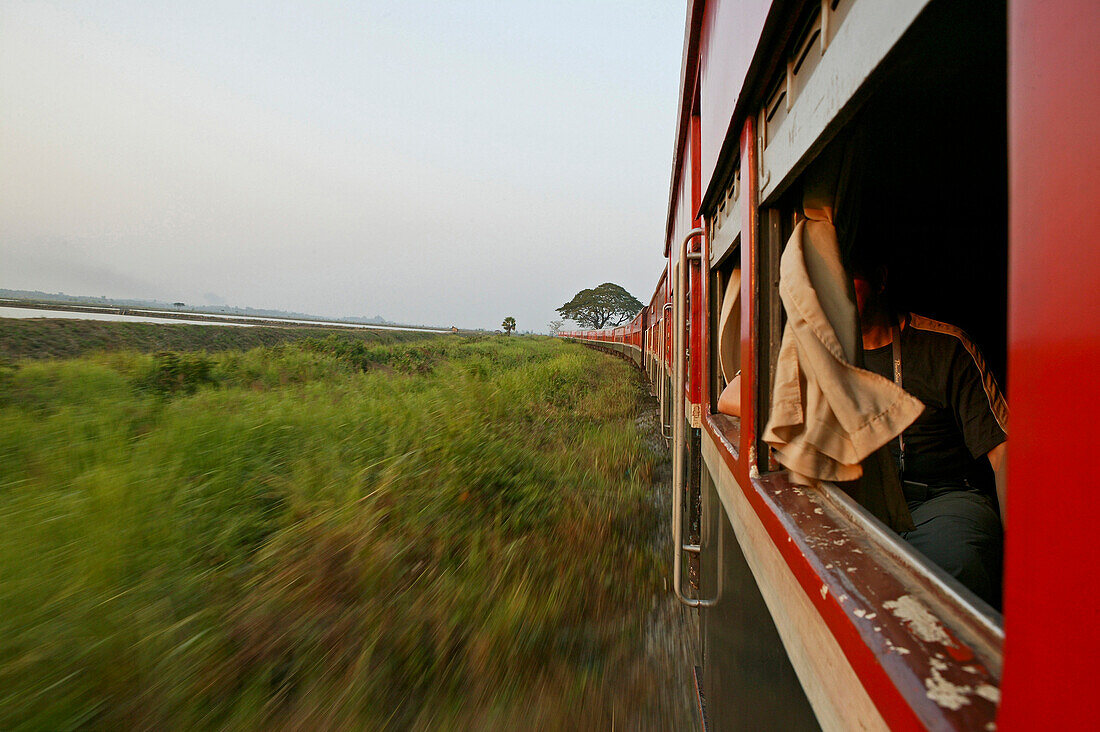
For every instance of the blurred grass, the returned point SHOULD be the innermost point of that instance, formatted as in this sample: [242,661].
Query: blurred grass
[443,533]
[68,338]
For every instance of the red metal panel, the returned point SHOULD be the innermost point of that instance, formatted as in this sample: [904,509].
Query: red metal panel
[730,34]
[1052,603]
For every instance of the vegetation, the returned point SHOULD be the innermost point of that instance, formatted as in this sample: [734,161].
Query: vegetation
[509,325]
[606,305]
[62,338]
[326,534]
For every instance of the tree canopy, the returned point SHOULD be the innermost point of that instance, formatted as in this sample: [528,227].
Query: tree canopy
[509,325]
[606,305]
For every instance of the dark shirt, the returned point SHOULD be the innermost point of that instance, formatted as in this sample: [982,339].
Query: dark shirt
[964,412]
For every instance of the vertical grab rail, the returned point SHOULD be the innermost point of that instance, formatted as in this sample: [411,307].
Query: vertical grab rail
[678,439]
[661,388]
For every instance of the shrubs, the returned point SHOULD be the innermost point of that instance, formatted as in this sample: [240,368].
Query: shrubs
[172,373]
[407,359]
[322,535]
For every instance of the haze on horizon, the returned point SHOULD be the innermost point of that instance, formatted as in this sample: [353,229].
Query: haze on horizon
[432,162]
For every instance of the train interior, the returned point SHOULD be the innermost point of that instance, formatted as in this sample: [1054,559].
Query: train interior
[926,193]
[934,189]
[930,200]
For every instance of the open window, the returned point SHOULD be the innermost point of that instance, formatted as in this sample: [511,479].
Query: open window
[724,248]
[927,141]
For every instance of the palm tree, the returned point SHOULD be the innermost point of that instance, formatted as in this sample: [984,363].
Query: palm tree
[509,325]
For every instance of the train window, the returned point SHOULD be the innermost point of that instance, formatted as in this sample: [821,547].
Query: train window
[726,333]
[927,197]
[724,232]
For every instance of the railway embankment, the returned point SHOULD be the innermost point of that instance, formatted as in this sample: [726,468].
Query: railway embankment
[333,533]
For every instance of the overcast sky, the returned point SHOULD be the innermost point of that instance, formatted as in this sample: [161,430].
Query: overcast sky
[447,162]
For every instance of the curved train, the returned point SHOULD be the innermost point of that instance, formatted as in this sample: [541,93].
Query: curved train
[966,139]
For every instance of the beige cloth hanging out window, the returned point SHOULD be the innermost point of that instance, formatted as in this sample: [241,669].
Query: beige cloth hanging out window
[830,419]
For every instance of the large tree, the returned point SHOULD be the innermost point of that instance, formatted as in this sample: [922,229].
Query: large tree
[608,304]
[509,325]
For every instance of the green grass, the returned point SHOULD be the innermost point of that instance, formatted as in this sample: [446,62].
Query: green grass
[329,534]
[62,338]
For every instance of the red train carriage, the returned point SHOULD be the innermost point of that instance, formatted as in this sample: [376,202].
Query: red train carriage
[965,138]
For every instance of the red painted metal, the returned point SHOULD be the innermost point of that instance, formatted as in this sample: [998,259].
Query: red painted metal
[1052,604]
[689,74]
[729,36]
[889,701]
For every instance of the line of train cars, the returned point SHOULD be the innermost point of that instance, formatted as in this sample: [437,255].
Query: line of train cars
[972,130]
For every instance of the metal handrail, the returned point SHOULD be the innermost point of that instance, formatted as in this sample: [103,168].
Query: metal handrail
[678,440]
[661,388]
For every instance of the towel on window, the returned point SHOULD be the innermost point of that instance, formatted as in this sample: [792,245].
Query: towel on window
[830,419]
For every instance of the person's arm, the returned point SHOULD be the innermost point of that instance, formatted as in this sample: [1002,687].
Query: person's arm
[998,458]
[730,400]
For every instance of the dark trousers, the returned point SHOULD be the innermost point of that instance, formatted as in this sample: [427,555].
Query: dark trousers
[958,529]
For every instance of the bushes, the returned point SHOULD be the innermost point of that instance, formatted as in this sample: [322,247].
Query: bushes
[320,535]
[411,359]
[174,372]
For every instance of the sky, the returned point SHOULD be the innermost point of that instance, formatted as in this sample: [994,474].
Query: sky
[438,163]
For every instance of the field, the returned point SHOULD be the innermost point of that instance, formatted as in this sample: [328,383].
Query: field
[445,533]
[64,338]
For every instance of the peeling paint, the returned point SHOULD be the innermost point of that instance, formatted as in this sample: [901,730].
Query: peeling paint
[990,726]
[988,692]
[946,694]
[859,612]
[920,621]
[853,569]
[818,511]
[824,591]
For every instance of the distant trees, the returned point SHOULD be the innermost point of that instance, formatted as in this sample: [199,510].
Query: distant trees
[509,325]
[608,304]
[555,326]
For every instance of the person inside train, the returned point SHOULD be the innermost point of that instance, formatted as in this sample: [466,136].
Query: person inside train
[945,457]
[729,345]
